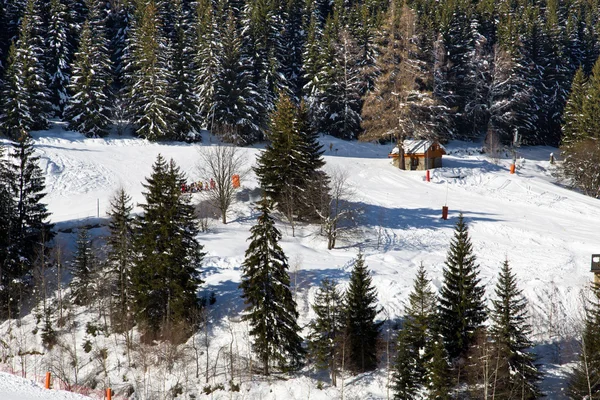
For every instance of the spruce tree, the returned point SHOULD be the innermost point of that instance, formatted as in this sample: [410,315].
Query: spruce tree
[9,275]
[293,38]
[574,128]
[206,59]
[58,55]
[30,50]
[415,342]
[461,304]
[510,334]
[22,194]
[591,106]
[275,166]
[326,336]
[234,101]
[584,382]
[165,276]
[15,120]
[185,117]
[83,269]
[148,76]
[339,102]
[88,110]
[120,256]
[289,168]
[438,367]
[27,188]
[270,307]
[25,95]
[361,310]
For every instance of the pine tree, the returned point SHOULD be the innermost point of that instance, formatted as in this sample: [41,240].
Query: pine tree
[327,329]
[206,59]
[234,102]
[580,146]
[591,106]
[461,303]
[118,23]
[339,102]
[415,342]
[186,123]
[88,110]
[275,165]
[35,77]
[288,169]
[510,333]
[148,76]
[574,128]
[15,120]
[293,38]
[263,50]
[9,276]
[165,275]
[83,269]
[21,193]
[270,307]
[361,310]
[584,382]
[438,377]
[456,45]
[27,79]
[121,256]
[58,56]
[27,188]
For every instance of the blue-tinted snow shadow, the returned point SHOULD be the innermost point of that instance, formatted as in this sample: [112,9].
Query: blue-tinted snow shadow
[411,218]
[228,294]
[484,164]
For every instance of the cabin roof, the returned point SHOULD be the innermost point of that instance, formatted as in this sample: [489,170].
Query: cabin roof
[416,146]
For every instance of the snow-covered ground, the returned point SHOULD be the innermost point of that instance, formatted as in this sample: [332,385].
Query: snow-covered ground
[546,231]
[14,388]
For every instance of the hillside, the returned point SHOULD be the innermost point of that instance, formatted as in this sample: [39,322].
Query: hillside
[546,231]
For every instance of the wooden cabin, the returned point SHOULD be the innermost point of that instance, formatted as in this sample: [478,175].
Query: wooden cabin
[419,154]
[596,267]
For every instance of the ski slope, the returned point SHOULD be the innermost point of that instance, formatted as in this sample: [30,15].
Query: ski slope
[15,388]
[546,231]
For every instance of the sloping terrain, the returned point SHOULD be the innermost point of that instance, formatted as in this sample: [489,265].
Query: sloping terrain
[546,231]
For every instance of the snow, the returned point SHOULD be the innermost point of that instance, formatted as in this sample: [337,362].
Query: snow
[546,231]
[15,388]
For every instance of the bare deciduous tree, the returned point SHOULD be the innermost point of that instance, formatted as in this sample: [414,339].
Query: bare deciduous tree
[220,163]
[337,216]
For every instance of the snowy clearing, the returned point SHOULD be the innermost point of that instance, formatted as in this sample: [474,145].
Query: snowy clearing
[546,231]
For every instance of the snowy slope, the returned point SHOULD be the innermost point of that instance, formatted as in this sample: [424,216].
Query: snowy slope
[546,231]
[15,388]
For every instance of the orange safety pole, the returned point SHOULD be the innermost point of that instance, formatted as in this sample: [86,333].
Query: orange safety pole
[47,385]
[108,394]
[444,212]
[512,168]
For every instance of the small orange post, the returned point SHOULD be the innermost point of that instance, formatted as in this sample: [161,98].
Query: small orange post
[47,385]
[427,177]
[512,168]
[235,181]
[108,394]
[444,212]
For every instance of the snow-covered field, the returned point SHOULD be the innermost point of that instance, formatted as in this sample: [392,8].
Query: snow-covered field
[546,231]
[15,388]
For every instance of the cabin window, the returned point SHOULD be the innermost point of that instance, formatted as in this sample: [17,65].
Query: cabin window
[415,162]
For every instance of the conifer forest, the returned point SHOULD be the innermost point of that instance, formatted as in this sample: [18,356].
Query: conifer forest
[279,76]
